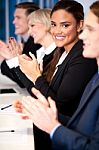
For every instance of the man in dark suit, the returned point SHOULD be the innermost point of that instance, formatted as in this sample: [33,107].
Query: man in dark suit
[81,131]
[21,28]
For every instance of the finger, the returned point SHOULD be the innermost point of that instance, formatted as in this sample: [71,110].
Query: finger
[21,59]
[17,103]
[2,43]
[41,66]
[32,109]
[24,117]
[26,114]
[32,56]
[52,104]
[24,57]
[17,106]
[21,47]
[11,42]
[31,103]
[27,107]
[40,97]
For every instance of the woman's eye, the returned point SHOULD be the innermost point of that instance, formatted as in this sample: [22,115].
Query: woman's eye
[53,25]
[65,25]
[32,25]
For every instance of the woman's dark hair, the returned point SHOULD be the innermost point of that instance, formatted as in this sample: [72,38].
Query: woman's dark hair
[71,6]
[50,68]
[76,9]
[95,9]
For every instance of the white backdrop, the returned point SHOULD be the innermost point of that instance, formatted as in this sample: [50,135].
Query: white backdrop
[86,4]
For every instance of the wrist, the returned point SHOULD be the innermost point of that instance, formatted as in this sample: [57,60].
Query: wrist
[34,78]
[53,127]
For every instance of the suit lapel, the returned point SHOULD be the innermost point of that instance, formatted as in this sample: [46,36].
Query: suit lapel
[77,48]
[85,98]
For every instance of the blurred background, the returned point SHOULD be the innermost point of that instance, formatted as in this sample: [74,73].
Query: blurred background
[7,9]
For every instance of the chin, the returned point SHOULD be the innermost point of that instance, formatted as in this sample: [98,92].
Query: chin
[17,33]
[59,45]
[88,55]
[85,54]
[35,41]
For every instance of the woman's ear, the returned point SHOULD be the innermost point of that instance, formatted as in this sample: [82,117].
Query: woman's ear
[80,26]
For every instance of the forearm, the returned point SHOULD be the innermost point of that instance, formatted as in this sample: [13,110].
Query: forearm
[43,86]
[66,139]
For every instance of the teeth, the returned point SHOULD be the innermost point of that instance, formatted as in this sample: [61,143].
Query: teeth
[59,38]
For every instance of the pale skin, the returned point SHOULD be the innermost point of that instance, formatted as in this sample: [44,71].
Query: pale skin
[4,51]
[41,35]
[11,49]
[41,111]
[90,37]
[20,22]
[30,67]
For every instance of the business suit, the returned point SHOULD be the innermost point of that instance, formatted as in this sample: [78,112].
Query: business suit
[25,81]
[68,84]
[11,73]
[66,88]
[82,130]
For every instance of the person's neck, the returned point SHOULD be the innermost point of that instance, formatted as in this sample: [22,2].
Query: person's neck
[25,37]
[69,46]
[47,40]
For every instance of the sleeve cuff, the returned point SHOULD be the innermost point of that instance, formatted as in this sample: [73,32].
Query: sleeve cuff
[54,129]
[13,62]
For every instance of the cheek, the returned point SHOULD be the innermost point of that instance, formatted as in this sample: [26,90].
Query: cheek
[91,51]
[34,30]
[71,32]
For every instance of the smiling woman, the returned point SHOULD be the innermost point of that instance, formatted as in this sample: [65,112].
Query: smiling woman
[81,131]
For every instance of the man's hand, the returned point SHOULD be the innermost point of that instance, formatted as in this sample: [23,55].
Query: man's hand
[41,111]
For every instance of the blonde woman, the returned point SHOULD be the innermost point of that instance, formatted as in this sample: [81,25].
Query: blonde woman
[39,28]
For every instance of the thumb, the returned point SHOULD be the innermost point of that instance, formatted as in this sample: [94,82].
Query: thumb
[41,66]
[32,56]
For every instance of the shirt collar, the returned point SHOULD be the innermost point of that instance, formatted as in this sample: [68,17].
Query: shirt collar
[25,38]
[62,58]
[50,48]
[42,51]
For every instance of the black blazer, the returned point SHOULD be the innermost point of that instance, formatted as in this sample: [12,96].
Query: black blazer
[25,81]
[66,88]
[82,130]
[68,84]
[11,73]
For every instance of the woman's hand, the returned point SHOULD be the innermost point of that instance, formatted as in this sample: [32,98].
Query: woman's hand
[29,67]
[15,47]
[5,52]
[17,104]
[10,50]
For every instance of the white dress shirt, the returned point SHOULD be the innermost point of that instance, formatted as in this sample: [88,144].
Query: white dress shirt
[45,51]
[40,54]
[62,58]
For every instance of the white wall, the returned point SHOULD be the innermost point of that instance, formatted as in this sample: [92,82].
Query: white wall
[86,4]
